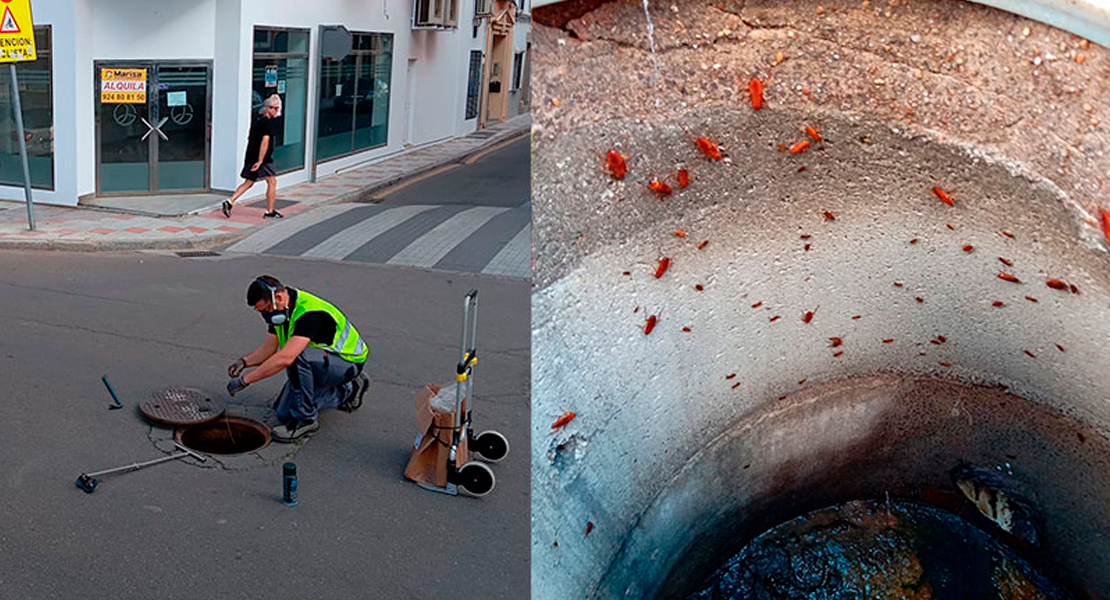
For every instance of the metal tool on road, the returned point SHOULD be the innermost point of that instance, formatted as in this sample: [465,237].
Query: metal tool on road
[88,481]
[118,404]
[474,478]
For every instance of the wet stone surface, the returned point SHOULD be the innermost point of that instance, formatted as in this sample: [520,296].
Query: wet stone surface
[864,550]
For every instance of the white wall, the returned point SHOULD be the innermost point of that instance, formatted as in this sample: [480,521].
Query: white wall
[59,15]
[222,31]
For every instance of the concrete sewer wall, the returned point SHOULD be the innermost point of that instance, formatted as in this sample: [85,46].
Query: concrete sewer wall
[674,464]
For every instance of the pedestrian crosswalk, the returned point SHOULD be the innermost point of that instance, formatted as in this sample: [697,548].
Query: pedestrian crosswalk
[479,239]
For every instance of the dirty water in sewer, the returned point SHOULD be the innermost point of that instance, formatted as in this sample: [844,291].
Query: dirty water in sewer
[867,549]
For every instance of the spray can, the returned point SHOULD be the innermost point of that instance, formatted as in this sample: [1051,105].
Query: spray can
[289,484]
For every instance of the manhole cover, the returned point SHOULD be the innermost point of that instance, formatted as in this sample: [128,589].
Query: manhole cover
[181,406]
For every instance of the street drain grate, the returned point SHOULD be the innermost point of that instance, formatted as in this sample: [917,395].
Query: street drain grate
[181,406]
[482,134]
[229,435]
[197,253]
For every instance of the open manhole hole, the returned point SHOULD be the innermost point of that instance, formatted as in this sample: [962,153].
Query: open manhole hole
[226,435]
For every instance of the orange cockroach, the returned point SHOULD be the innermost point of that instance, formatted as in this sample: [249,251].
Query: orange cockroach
[1006,262]
[589,527]
[888,340]
[679,233]
[683,178]
[707,147]
[998,304]
[808,315]
[919,299]
[807,247]
[661,189]
[914,241]
[1030,298]
[1073,288]
[686,329]
[699,287]
[837,353]
[800,147]
[811,132]
[946,364]
[650,323]
[736,385]
[730,376]
[857,317]
[774,318]
[1031,355]
[1056,284]
[897,284]
[950,226]
[806,236]
[563,420]
[830,216]
[702,245]
[1008,234]
[943,196]
[835,341]
[802,382]
[1105,214]
[1007,277]
[757,304]
[755,88]
[1060,348]
[615,165]
[968,247]
[664,264]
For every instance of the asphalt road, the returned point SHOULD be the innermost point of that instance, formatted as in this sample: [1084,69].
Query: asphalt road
[500,176]
[152,320]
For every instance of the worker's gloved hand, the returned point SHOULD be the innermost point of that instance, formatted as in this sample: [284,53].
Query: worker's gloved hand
[235,386]
[236,368]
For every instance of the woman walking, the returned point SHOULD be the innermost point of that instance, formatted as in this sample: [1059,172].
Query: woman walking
[259,162]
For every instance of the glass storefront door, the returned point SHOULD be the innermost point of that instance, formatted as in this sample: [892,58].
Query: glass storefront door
[153,127]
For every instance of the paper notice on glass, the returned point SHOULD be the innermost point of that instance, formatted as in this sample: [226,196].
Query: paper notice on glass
[281,86]
[176,99]
[271,76]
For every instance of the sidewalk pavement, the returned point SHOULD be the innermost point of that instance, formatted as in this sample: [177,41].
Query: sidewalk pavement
[91,229]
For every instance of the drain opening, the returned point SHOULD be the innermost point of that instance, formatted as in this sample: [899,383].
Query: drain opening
[196,253]
[226,435]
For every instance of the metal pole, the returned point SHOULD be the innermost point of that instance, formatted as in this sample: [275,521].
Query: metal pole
[22,148]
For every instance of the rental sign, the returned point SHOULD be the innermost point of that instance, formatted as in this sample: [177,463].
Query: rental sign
[123,86]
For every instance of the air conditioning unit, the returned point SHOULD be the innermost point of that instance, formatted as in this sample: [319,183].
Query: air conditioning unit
[483,8]
[435,14]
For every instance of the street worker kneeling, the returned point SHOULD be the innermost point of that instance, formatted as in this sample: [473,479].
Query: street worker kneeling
[316,346]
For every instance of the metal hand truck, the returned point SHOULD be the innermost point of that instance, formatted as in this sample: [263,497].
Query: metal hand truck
[474,478]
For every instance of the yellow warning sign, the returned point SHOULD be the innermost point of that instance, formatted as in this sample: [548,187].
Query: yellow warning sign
[17,31]
[122,86]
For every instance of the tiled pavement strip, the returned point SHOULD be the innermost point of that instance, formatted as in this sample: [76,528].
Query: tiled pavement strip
[87,229]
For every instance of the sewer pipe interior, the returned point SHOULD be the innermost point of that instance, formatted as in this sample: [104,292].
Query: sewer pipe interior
[675,465]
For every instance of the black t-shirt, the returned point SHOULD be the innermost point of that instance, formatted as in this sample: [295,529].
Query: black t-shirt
[261,127]
[316,325]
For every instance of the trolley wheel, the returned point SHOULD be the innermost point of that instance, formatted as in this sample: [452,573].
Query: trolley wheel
[490,446]
[476,479]
[86,483]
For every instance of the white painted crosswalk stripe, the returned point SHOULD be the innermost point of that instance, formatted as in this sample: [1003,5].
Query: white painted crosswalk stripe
[515,259]
[276,232]
[429,248]
[342,244]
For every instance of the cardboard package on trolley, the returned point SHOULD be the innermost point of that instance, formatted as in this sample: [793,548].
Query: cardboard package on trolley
[435,420]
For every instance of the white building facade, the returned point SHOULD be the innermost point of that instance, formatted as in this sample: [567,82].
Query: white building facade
[151,97]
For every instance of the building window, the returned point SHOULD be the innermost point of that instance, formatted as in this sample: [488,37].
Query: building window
[281,67]
[435,14]
[35,97]
[354,97]
[474,82]
[518,67]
